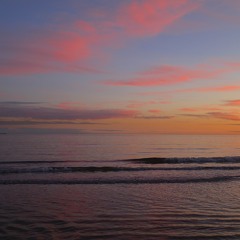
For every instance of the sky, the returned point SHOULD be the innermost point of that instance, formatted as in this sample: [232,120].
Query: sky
[120,66]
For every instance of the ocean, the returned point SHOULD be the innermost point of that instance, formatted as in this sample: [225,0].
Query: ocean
[119,186]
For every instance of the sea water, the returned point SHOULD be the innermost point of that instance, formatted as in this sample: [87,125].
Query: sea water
[135,186]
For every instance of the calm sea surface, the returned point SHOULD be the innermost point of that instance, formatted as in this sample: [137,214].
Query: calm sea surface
[119,187]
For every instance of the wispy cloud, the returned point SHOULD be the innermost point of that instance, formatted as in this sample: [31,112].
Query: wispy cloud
[139,104]
[200,109]
[155,117]
[73,46]
[225,115]
[194,115]
[36,130]
[5,103]
[169,75]
[233,103]
[213,89]
[25,122]
[189,109]
[69,105]
[155,111]
[148,18]
[232,116]
[51,113]
[220,89]
[215,14]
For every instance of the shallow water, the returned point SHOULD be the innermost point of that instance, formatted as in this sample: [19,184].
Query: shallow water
[119,187]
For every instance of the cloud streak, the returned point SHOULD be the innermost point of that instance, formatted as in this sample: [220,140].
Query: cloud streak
[233,103]
[149,18]
[225,116]
[50,113]
[197,109]
[219,115]
[228,88]
[25,122]
[155,117]
[139,104]
[5,103]
[170,75]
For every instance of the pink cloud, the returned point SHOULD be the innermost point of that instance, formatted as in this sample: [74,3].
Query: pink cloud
[168,75]
[217,113]
[69,105]
[225,116]
[233,103]
[56,51]
[141,18]
[154,111]
[229,88]
[45,51]
[74,46]
[144,82]
[189,109]
[156,117]
[22,67]
[214,89]
[212,108]
[194,115]
[69,47]
[201,108]
[165,102]
[138,104]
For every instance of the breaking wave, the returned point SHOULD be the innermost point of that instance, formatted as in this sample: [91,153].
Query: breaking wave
[156,160]
[141,171]
[149,160]
[93,169]
[122,181]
